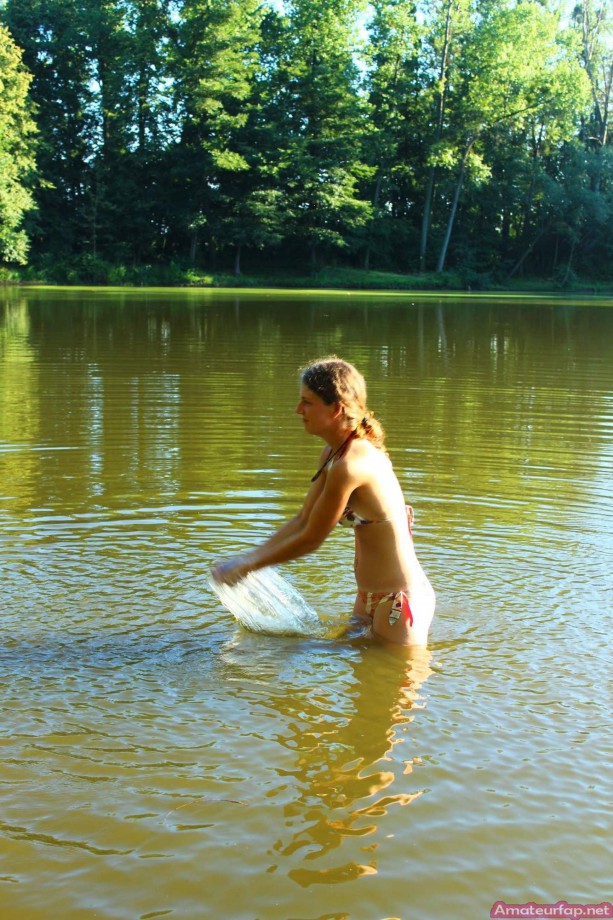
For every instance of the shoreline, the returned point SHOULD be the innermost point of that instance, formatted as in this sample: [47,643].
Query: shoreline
[325,280]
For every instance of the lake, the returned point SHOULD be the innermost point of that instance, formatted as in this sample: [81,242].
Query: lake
[158,760]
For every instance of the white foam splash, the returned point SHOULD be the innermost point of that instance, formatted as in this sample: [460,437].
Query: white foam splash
[265,602]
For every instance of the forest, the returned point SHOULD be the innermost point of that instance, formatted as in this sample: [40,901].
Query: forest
[154,140]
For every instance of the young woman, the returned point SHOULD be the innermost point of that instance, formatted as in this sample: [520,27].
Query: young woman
[355,486]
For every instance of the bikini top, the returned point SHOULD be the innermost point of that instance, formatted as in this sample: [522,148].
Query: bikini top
[349,517]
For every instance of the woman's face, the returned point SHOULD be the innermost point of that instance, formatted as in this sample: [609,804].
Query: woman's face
[317,416]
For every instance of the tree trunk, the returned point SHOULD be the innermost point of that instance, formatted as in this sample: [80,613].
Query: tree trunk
[142,107]
[425,223]
[440,117]
[570,262]
[237,261]
[375,205]
[313,257]
[601,82]
[213,250]
[526,253]
[193,246]
[454,208]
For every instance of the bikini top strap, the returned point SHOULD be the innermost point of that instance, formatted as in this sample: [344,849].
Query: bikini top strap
[335,454]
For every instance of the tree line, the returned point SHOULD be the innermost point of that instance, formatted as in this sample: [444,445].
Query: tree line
[395,135]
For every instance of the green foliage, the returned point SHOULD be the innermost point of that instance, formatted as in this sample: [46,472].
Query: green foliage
[215,161]
[318,119]
[17,163]
[513,71]
[183,139]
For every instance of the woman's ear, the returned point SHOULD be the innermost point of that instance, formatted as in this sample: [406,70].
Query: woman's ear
[339,410]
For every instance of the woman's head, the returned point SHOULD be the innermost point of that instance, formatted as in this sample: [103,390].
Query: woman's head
[337,382]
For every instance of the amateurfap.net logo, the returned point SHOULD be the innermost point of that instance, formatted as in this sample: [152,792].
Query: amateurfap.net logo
[560,911]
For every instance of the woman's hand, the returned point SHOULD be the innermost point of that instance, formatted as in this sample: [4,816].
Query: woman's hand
[231,570]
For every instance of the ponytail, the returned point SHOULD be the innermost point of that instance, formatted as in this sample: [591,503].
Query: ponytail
[371,430]
[337,381]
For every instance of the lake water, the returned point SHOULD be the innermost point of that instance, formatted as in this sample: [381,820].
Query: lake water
[157,760]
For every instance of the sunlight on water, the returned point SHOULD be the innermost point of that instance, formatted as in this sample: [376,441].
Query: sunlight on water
[159,759]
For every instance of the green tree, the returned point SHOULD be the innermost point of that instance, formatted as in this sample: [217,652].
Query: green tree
[17,148]
[595,25]
[51,35]
[448,25]
[396,108]
[318,119]
[188,128]
[214,72]
[98,84]
[128,44]
[513,69]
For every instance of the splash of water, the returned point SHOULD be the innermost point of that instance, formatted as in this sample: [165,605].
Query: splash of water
[265,602]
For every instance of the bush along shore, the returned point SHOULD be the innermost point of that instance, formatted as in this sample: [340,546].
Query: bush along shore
[100,273]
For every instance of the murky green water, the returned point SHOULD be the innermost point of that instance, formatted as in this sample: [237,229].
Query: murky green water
[158,762]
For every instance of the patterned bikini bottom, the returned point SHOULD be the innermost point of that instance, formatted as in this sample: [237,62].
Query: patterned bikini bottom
[400,609]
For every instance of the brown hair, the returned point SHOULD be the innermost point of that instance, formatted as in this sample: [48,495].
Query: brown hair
[337,381]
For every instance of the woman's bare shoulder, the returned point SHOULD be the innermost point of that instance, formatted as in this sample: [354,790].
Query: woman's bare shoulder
[364,451]
[361,461]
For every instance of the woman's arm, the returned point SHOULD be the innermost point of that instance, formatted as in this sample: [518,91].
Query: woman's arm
[295,524]
[303,534]
[288,529]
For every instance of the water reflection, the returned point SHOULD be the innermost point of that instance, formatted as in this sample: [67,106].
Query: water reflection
[144,434]
[144,395]
[352,750]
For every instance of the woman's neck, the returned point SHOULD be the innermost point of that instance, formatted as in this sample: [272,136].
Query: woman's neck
[335,440]
[335,452]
